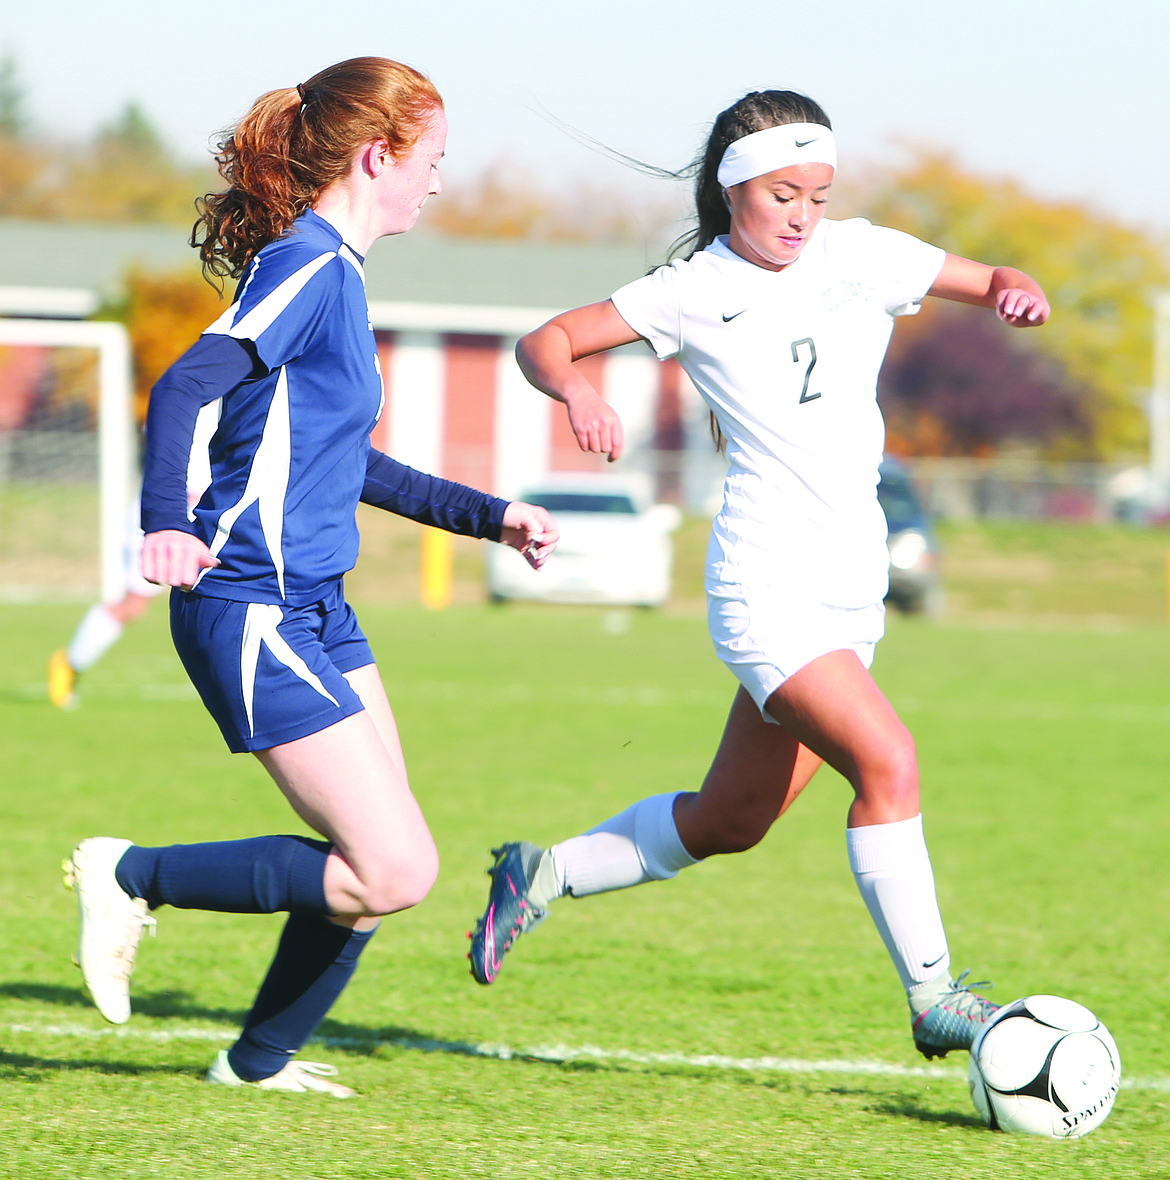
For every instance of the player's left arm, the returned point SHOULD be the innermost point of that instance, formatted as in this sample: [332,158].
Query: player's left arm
[457,508]
[1018,300]
[530,529]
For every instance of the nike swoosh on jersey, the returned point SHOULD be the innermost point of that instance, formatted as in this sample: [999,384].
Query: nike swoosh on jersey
[728,318]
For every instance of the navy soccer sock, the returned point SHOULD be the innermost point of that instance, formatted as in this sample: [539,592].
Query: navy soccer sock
[314,961]
[258,876]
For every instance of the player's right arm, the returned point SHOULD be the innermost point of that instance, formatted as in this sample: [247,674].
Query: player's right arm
[174,558]
[546,358]
[172,555]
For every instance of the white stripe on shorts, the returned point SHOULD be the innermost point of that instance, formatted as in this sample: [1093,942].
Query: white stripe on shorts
[260,625]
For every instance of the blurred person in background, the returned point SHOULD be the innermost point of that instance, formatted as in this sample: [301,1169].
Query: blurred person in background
[102,625]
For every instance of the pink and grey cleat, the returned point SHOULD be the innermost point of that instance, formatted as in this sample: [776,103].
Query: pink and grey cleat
[509,912]
[953,1021]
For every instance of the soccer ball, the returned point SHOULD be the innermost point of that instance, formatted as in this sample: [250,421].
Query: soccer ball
[1045,1066]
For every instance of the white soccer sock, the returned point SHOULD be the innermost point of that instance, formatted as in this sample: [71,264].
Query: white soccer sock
[638,845]
[893,872]
[97,632]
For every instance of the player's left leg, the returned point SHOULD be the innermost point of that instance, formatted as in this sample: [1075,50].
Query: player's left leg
[352,788]
[837,709]
[349,783]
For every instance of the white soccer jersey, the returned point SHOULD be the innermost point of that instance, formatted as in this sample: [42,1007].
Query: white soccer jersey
[788,361]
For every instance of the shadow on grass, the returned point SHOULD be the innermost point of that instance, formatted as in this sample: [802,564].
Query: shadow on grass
[908,1109]
[25,1067]
[370,1041]
[158,1004]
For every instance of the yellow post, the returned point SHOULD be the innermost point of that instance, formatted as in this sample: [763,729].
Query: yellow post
[437,573]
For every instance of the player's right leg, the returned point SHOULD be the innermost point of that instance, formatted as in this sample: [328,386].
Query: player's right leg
[100,628]
[112,923]
[757,773]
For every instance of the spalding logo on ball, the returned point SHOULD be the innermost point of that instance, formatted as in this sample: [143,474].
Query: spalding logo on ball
[1044,1065]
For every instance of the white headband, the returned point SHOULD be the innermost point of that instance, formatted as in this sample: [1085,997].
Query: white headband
[776,147]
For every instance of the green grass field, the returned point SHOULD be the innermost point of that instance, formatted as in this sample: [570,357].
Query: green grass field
[740,1021]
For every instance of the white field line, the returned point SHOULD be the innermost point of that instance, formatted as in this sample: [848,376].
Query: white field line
[555,1054]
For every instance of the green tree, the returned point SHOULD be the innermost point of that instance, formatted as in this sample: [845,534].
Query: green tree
[23,164]
[125,173]
[13,120]
[1099,274]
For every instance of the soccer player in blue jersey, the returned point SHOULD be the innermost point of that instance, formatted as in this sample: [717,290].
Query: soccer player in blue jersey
[315,175]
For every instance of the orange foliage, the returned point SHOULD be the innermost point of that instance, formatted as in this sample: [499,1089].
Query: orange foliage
[166,312]
[1099,275]
[504,201]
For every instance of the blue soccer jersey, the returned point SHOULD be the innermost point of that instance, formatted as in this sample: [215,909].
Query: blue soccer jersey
[295,363]
[287,464]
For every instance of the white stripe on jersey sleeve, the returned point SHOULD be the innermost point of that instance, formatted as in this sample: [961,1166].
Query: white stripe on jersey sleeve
[253,324]
[353,260]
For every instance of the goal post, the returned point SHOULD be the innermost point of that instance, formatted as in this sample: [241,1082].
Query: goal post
[66,458]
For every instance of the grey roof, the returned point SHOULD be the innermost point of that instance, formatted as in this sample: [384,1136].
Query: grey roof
[86,257]
[412,268]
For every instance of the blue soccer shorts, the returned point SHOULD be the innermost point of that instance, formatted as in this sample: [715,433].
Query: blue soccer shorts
[270,674]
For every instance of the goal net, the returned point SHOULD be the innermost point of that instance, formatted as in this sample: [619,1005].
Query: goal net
[65,458]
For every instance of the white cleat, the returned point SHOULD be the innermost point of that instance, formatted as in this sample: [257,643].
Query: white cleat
[111,924]
[296,1077]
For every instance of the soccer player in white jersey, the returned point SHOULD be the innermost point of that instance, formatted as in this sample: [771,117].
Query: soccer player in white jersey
[316,174]
[103,624]
[781,319]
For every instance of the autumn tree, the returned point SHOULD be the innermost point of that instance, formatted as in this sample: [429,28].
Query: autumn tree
[164,312]
[23,164]
[506,201]
[125,173]
[956,382]
[1099,274]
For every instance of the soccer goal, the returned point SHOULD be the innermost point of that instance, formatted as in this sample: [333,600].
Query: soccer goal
[66,458]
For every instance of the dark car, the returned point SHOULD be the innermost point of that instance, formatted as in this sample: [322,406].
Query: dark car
[915,586]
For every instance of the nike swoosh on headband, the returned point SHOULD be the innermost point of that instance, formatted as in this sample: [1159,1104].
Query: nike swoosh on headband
[766,151]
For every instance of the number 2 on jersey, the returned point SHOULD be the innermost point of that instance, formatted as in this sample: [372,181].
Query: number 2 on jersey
[797,345]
